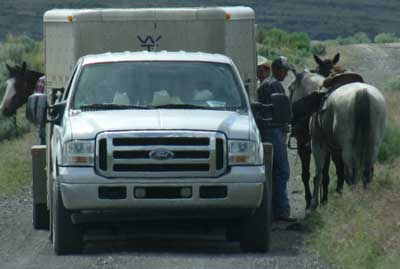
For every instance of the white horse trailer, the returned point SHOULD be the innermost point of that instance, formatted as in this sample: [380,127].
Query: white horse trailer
[72,33]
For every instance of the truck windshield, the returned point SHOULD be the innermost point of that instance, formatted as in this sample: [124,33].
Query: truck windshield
[168,85]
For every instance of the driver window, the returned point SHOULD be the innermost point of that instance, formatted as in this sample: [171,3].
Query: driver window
[67,90]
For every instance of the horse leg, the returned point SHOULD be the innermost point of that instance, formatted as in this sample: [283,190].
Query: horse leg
[319,153]
[337,160]
[368,174]
[325,179]
[304,152]
[349,165]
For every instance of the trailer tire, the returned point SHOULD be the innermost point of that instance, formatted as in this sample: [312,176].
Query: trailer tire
[256,232]
[40,218]
[67,237]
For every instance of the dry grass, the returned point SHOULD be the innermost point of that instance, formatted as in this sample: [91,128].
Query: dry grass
[361,229]
[393,107]
[15,163]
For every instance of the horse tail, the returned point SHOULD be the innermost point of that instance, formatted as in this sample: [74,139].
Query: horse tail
[362,129]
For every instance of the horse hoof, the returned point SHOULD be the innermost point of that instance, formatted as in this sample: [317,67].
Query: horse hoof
[337,194]
[314,205]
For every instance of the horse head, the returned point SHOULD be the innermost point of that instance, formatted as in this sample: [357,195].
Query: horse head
[326,66]
[20,85]
[304,94]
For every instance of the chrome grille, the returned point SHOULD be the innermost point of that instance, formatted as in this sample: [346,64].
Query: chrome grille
[190,154]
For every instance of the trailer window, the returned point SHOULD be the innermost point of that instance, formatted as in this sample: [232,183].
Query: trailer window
[160,83]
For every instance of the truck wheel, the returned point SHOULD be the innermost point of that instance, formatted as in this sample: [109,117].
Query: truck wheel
[41,218]
[67,237]
[233,231]
[256,231]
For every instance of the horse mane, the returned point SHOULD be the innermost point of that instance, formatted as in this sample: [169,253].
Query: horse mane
[338,69]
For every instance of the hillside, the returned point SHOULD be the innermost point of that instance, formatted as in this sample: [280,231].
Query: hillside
[320,18]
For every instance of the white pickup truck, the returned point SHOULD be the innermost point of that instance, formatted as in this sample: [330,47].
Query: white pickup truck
[163,135]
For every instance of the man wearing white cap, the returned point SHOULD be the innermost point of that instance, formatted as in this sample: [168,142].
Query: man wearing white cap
[263,69]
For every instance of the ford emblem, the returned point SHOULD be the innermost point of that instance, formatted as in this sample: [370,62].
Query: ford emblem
[161,154]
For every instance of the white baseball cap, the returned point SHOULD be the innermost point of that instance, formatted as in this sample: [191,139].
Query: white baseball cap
[261,60]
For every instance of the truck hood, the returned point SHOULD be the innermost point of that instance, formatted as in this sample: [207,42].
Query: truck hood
[86,125]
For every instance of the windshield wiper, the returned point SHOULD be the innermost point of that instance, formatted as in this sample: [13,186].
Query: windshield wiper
[113,106]
[189,106]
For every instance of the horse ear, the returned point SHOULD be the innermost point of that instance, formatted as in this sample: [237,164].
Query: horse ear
[23,67]
[336,59]
[318,60]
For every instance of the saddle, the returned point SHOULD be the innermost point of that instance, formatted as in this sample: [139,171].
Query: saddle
[335,81]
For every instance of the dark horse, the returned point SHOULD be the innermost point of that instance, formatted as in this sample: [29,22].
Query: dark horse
[305,84]
[20,85]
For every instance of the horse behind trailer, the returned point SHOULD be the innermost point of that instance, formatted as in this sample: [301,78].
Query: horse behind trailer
[21,83]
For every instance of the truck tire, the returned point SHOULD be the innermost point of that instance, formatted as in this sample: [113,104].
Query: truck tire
[256,231]
[233,230]
[40,218]
[67,237]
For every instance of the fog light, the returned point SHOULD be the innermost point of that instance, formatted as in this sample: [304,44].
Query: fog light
[140,193]
[186,192]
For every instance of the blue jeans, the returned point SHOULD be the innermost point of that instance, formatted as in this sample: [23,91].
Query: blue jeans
[42,134]
[280,170]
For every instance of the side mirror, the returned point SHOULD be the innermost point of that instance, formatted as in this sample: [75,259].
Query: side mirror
[56,94]
[56,112]
[281,108]
[36,108]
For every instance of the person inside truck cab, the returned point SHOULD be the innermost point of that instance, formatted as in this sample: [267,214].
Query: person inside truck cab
[276,133]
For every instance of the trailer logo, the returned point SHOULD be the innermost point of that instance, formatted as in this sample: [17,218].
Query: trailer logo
[149,42]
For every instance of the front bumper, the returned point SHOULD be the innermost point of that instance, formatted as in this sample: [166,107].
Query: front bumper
[80,190]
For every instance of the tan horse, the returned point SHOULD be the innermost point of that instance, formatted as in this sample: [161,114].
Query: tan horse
[352,121]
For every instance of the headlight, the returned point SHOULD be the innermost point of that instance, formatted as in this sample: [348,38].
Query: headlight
[78,153]
[244,153]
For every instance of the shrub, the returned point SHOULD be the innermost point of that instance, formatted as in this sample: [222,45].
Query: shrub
[8,129]
[318,49]
[275,42]
[393,85]
[390,148]
[386,38]
[357,38]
